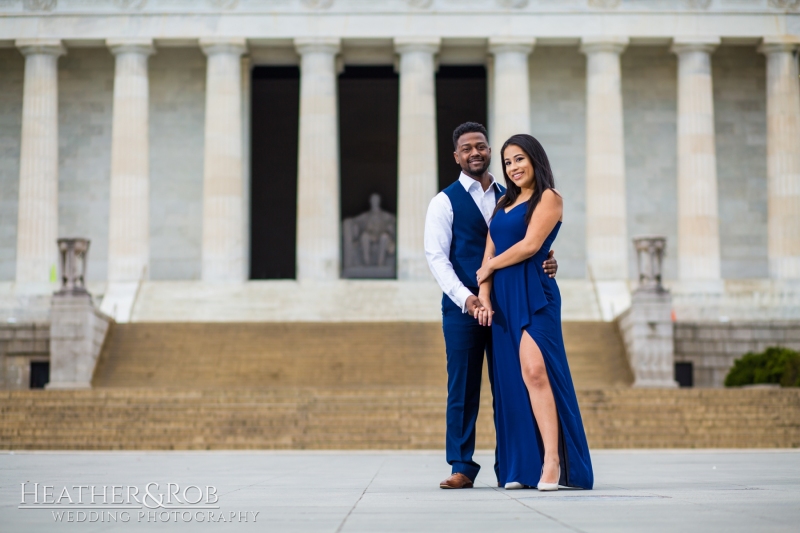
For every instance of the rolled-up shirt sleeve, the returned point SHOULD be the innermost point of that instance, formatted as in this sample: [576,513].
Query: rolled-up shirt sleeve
[438,237]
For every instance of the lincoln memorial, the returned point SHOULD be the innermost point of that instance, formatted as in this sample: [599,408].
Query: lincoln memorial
[224,156]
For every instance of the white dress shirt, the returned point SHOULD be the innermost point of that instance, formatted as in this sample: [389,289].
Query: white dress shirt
[439,235]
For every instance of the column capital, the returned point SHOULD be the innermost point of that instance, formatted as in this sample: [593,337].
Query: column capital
[223,45]
[431,45]
[325,45]
[523,45]
[52,47]
[706,44]
[131,46]
[601,43]
[779,43]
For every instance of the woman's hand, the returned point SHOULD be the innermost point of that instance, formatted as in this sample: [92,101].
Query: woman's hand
[485,312]
[485,272]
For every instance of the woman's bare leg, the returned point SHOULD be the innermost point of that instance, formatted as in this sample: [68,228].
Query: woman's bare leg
[534,374]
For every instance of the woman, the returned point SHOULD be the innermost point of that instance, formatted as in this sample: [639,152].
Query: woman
[540,437]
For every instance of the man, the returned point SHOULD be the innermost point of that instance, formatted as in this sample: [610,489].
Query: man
[455,238]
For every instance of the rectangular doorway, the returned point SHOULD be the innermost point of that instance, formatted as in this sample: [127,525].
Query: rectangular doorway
[461,96]
[368,134]
[40,374]
[684,374]
[368,123]
[275,112]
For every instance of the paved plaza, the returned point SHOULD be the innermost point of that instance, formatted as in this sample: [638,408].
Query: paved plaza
[640,490]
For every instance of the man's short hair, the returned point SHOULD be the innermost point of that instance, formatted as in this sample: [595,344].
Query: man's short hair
[468,127]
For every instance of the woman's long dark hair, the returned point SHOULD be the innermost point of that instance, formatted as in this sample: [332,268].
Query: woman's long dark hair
[542,174]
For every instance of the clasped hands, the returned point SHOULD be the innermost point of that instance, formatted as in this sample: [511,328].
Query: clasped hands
[480,307]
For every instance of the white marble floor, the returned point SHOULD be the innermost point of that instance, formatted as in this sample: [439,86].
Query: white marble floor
[635,491]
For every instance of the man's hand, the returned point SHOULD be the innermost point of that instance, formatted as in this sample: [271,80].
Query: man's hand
[473,305]
[550,265]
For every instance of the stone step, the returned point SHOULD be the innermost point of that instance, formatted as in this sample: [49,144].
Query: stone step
[319,354]
[352,386]
[375,418]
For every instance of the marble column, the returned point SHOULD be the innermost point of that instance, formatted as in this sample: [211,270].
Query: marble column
[511,98]
[417,174]
[698,214]
[37,222]
[129,206]
[606,221]
[223,238]
[318,212]
[783,157]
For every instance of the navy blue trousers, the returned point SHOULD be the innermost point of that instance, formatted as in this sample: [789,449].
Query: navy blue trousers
[465,342]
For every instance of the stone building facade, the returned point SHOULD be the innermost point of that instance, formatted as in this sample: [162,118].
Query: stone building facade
[129,122]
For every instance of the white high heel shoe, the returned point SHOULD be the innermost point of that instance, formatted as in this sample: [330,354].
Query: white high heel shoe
[514,485]
[542,486]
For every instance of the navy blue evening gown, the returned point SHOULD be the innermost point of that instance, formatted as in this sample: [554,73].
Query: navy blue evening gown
[525,298]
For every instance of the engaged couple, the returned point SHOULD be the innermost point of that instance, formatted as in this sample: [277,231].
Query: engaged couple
[488,247]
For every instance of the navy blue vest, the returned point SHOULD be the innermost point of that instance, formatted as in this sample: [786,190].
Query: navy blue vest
[469,234]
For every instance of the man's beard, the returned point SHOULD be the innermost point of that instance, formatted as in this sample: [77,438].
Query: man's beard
[479,171]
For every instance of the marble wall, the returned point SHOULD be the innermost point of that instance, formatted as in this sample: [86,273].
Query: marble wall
[558,121]
[177,114]
[85,99]
[650,100]
[740,116]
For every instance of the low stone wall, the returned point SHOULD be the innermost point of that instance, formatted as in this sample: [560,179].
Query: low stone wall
[647,331]
[21,344]
[77,333]
[712,347]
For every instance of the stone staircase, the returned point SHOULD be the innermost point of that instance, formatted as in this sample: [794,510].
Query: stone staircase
[391,417]
[319,354]
[352,386]
[692,418]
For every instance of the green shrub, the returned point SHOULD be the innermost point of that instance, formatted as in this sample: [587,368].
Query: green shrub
[773,365]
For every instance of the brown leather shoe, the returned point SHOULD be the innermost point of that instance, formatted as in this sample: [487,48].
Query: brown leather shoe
[456,481]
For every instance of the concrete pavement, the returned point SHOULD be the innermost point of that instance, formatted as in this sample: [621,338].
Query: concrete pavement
[639,490]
